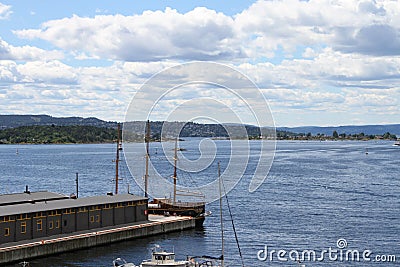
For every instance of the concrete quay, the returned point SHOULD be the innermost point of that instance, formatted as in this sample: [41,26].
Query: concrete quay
[20,251]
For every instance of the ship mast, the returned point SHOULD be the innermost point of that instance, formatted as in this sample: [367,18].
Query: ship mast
[117,158]
[175,162]
[147,140]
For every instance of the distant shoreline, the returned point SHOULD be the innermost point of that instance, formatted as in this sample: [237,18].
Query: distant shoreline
[88,134]
[278,140]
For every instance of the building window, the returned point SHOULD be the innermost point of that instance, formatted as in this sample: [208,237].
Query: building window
[69,211]
[23,227]
[82,210]
[41,214]
[51,225]
[54,213]
[6,231]
[97,218]
[39,225]
[9,219]
[23,217]
[65,223]
[92,219]
[58,224]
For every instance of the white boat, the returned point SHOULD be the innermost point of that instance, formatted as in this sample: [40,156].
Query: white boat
[163,258]
[397,143]
[119,262]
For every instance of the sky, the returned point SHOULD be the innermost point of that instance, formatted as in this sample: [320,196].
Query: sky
[317,62]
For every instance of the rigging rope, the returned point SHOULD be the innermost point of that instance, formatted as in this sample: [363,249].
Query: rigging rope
[233,224]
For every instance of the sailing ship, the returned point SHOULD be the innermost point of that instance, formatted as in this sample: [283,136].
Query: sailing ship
[173,206]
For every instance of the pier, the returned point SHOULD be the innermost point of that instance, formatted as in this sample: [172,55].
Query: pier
[156,224]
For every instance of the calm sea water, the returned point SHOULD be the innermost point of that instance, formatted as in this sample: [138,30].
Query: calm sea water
[316,193]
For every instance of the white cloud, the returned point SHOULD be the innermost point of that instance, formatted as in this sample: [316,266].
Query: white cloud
[328,68]
[352,84]
[9,52]
[52,72]
[8,72]
[379,39]
[153,35]
[300,86]
[55,88]
[5,11]
[367,27]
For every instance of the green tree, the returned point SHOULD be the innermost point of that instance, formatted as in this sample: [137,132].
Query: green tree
[335,134]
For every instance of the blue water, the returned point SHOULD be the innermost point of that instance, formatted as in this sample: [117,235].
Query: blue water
[315,194]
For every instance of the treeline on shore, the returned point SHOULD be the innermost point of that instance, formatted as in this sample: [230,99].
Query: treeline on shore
[51,134]
[335,136]
[81,134]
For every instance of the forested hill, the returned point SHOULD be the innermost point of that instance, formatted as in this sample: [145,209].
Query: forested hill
[44,129]
[12,121]
[57,135]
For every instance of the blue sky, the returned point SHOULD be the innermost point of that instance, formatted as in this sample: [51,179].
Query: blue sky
[315,62]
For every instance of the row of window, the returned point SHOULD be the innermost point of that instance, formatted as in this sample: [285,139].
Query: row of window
[52,224]
[69,211]
[12,218]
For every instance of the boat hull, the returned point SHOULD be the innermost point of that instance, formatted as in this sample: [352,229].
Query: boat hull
[166,207]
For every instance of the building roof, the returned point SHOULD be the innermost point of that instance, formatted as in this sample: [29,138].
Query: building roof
[66,204]
[19,198]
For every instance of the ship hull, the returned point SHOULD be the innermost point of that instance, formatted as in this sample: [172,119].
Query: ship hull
[166,207]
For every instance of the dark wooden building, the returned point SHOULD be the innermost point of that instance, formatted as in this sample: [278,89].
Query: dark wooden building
[41,214]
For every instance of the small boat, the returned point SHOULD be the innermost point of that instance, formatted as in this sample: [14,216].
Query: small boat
[24,264]
[397,143]
[119,262]
[160,257]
